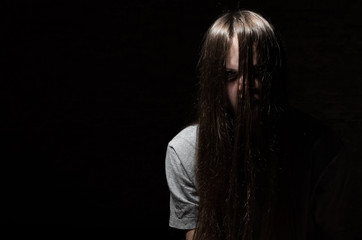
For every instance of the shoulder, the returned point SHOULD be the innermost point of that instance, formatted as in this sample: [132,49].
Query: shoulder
[315,139]
[180,175]
[185,140]
[181,150]
[313,131]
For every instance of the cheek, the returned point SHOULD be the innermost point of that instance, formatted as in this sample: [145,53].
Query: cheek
[256,94]
[257,83]
[233,87]
[232,91]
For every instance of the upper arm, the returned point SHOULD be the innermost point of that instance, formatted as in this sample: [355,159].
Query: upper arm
[183,195]
[190,234]
[336,198]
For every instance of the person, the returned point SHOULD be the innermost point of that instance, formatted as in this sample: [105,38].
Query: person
[252,166]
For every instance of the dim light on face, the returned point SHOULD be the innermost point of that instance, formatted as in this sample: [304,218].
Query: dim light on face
[234,81]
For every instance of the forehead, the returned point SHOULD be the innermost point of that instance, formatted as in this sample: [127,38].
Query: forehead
[232,55]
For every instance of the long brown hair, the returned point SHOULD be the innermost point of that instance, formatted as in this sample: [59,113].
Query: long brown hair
[237,150]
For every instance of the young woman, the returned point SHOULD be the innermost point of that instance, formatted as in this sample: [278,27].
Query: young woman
[253,167]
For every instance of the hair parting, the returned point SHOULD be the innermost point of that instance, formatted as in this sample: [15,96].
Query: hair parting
[236,158]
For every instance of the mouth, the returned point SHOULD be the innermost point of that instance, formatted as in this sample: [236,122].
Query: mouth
[255,94]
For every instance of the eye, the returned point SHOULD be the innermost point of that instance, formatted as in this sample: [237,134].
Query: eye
[258,71]
[231,75]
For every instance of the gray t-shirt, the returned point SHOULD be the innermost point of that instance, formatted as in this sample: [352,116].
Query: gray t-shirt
[318,194]
[180,174]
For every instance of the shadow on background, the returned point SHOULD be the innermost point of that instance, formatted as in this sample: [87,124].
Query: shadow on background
[94,92]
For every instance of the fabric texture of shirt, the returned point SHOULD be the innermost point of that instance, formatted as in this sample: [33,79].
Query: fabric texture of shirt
[180,173]
[319,199]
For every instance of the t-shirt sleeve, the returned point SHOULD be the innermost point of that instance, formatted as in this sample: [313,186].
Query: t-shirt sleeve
[337,211]
[183,196]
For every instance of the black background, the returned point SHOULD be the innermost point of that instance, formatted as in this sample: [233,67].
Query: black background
[93,92]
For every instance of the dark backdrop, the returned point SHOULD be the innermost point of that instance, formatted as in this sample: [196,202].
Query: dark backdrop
[93,92]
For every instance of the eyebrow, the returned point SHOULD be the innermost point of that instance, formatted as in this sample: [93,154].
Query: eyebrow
[232,69]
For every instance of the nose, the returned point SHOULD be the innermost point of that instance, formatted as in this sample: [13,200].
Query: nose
[254,90]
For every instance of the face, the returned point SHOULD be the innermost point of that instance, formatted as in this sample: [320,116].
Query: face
[235,84]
